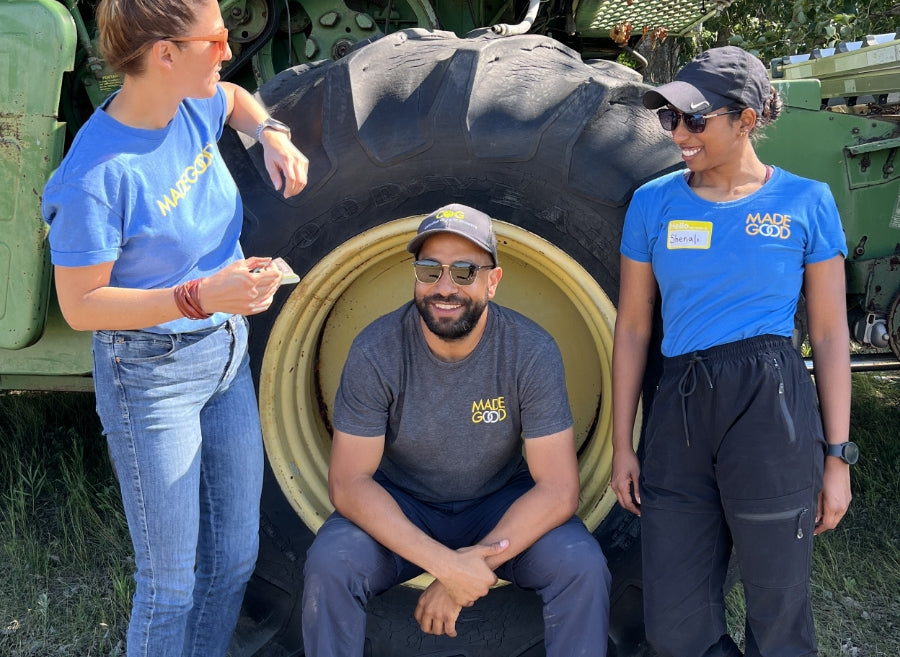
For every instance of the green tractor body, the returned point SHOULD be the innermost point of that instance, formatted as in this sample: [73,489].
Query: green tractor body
[852,145]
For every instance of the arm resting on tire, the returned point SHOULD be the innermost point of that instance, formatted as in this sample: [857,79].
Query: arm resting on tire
[281,156]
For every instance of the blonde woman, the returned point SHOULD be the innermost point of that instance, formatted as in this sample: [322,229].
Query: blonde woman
[144,224]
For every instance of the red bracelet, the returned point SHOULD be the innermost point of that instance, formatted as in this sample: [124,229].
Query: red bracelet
[187,299]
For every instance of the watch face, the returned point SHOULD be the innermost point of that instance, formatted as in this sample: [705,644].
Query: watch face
[851,453]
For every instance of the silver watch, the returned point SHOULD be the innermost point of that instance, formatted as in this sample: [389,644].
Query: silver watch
[274,124]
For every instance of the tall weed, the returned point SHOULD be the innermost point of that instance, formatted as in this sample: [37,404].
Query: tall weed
[65,557]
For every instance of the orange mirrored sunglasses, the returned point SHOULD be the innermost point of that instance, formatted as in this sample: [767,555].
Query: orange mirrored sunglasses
[220,39]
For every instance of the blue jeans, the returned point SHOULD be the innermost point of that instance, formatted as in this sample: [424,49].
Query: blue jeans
[345,568]
[180,417]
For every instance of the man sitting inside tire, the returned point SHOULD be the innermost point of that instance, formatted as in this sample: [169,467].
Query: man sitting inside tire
[427,472]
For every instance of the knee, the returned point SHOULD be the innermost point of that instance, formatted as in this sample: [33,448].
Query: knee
[231,563]
[323,563]
[575,559]
[168,591]
[584,562]
[337,556]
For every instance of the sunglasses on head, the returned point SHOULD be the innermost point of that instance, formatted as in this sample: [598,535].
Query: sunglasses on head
[461,273]
[220,38]
[696,123]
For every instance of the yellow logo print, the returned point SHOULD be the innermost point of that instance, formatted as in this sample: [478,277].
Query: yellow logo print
[769,225]
[187,179]
[450,214]
[489,411]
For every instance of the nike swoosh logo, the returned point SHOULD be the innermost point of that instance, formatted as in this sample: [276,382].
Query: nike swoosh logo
[701,104]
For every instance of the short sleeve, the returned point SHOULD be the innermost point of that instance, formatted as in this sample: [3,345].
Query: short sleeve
[83,229]
[218,111]
[635,241]
[362,402]
[826,233]
[544,400]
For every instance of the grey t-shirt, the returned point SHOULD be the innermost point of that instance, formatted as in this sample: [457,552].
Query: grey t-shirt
[452,430]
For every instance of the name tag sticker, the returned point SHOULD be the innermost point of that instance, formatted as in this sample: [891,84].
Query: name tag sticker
[689,235]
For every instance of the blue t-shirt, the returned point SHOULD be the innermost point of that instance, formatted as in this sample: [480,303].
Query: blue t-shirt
[453,431]
[160,204]
[732,270]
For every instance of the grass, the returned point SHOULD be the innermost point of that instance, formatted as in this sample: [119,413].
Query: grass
[65,556]
[66,562]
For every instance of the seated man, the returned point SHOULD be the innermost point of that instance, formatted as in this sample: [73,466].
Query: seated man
[426,469]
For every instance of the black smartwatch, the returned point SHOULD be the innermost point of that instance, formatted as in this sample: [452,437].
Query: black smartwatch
[847,452]
[272,124]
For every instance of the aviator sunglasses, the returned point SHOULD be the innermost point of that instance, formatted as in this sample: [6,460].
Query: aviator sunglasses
[461,273]
[220,38]
[696,123]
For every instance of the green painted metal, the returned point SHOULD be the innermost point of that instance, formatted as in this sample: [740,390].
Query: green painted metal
[59,354]
[855,155]
[854,148]
[37,44]
[50,382]
[312,30]
[595,18]
[871,67]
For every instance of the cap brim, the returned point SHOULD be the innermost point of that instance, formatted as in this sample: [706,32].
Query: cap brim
[683,96]
[416,242]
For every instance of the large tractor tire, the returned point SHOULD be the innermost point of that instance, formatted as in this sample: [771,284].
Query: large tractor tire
[519,127]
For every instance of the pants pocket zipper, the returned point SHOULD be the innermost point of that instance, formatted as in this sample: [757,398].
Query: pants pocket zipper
[782,402]
[799,513]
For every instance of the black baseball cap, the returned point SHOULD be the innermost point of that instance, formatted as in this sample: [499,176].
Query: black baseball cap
[715,78]
[461,220]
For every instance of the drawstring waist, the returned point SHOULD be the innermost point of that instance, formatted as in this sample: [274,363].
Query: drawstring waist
[686,386]
[690,363]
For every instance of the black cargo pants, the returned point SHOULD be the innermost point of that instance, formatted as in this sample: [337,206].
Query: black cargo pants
[734,457]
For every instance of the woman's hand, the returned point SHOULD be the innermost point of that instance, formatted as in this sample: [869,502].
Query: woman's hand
[834,498]
[626,471]
[284,162]
[245,287]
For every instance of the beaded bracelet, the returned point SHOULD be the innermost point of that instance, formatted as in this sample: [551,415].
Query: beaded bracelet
[187,299]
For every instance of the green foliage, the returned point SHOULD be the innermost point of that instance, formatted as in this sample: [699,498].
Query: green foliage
[65,557]
[788,27]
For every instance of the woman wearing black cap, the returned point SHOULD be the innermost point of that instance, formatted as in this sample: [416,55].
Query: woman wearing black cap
[737,451]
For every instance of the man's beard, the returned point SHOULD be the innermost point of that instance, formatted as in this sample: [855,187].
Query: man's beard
[446,328]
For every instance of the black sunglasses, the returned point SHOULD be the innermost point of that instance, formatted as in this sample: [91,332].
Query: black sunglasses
[696,123]
[461,273]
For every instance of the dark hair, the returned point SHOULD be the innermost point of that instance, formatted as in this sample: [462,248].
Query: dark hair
[129,27]
[770,111]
